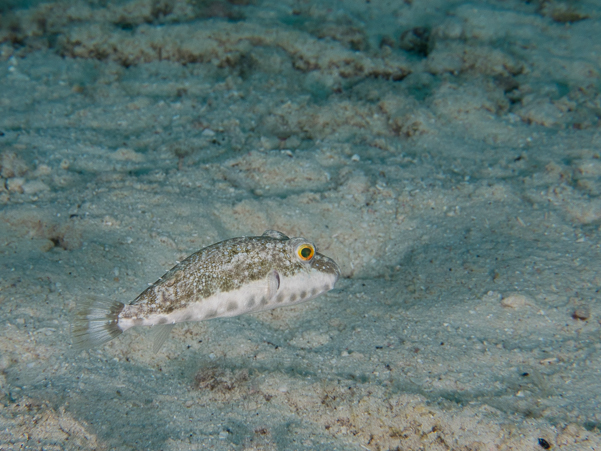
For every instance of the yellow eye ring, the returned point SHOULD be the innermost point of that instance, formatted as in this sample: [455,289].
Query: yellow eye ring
[305,252]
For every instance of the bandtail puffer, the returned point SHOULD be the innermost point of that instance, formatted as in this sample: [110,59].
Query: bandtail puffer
[229,278]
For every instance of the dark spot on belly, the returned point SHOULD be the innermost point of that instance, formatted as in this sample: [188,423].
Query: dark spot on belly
[231,306]
[303,294]
[326,287]
[279,298]
[313,291]
[162,320]
[293,297]
[211,314]
[137,321]
[263,301]
[251,302]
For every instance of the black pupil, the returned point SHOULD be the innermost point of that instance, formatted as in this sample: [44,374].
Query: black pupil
[305,252]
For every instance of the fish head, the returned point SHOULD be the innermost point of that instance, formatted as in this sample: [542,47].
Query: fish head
[309,273]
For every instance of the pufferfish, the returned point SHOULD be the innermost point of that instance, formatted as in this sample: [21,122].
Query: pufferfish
[236,276]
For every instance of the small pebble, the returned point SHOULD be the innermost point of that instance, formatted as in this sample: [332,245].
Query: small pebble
[42,170]
[15,184]
[35,186]
[582,313]
[543,443]
[516,301]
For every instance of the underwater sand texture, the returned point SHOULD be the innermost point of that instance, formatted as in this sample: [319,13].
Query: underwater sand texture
[447,155]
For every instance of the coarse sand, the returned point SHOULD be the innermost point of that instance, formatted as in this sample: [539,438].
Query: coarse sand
[446,154]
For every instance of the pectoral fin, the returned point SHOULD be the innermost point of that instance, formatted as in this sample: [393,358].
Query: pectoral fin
[273,284]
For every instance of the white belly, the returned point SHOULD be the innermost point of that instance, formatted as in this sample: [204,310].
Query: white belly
[253,297]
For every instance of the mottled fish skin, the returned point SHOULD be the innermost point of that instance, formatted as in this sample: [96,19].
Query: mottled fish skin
[229,278]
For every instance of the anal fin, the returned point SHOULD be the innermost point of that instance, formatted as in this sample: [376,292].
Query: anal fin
[160,333]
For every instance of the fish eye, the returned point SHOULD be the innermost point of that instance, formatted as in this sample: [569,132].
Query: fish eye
[305,252]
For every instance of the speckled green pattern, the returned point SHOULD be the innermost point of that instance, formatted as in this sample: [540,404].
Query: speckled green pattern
[223,267]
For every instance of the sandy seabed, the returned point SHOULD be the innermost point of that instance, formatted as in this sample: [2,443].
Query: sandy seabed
[446,154]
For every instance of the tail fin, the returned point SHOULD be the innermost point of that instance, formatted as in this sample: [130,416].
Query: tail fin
[96,323]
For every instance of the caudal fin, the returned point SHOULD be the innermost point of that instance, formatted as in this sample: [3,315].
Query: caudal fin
[96,323]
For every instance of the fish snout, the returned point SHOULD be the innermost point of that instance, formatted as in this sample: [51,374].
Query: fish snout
[326,266]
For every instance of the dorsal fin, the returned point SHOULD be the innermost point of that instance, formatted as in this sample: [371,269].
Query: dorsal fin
[275,234]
